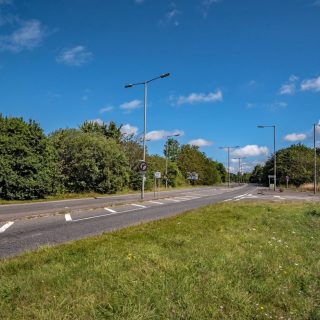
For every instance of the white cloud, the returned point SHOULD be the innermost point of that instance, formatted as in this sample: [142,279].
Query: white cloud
[98,121]
[129,129]
[27,37]
[317,3]
[292,137]
[131,105]
[206,4]
[194,98]
[311,84]
[162,134]
[106,109]
[75,56]
[139,1]
[200,142]
[250,151]
[4,2]
[171,17]
[289,88]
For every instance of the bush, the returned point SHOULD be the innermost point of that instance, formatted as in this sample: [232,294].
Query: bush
[27,161]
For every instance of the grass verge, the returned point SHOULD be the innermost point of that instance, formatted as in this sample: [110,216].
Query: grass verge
[226,261]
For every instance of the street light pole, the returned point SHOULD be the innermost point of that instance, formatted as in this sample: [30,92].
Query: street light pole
[274,155]
[170,136]
[239,159]
[145,84]
[315,156]
[229,148]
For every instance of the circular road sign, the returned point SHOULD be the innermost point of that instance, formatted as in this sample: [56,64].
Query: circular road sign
[143,166]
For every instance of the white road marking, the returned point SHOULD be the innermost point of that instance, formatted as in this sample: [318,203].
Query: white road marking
[279,197]
[182,198]
[242,195]
[192,197]
[68,217]
[110,210]
[156,202]
[6,226]
[227,200]
[138,205]
[169,199]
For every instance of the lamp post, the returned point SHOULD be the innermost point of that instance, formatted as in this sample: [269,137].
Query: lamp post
[315,156]
[145,84]
[239,159]
[229,148]
[169,136]
[274,154]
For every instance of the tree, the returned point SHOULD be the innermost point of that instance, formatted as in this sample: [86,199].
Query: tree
[172,146]
[109,131]
[27,161]
[89,162]
[257,174]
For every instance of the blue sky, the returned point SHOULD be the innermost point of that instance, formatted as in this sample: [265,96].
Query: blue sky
[234,64]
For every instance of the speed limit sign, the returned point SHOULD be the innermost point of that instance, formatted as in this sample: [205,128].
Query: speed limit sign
[143,166]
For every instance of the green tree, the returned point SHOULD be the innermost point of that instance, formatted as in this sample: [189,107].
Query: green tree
[27,161]
[172,146]
[257,174]
[109,131]
[90,163]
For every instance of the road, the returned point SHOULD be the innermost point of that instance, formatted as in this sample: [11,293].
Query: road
[81,220]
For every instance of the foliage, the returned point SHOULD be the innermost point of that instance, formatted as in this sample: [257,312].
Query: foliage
[110,131]
[257,174]
[190,159]
[27,161]
[172,146]
[89,163]
[296,161]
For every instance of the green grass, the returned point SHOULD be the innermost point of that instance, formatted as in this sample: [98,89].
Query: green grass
[226,261]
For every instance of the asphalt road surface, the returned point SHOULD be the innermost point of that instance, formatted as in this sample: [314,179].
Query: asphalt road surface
[85,219]
[20,233]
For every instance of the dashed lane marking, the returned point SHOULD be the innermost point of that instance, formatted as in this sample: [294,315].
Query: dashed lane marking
[110,210]
[169,199]
[68,217]
[138,205]
[6,226]
[227,200]
[156,202]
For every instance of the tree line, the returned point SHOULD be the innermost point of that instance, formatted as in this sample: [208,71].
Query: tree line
[295,162]
[96,157]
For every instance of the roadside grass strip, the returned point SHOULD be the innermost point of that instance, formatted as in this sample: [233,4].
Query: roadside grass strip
[225,261]
[6,226]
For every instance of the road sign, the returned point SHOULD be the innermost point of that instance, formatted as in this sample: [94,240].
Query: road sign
[193,176]
[287,178]
[143,166]
[271,176]
[157,175]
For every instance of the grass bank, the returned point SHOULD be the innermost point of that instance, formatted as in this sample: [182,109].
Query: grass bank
[226,261]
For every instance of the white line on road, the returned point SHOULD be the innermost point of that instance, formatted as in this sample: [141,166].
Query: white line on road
[68,217]
[138,205]
[227,200]
[110,210]
[6,226]
[279,197]
[169,199]
[156,202]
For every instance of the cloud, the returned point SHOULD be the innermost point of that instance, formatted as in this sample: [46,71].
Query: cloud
[317,3]
[4,2]
[206,5]
[200,143]
[139,1]
[98,121]
[290,87]
[250,151]
[28,36]
[162,134]
[76,56]
[171,17]
[194,98]
[131,105]
[292,137]
[106,109]
[129,129]
[311,84]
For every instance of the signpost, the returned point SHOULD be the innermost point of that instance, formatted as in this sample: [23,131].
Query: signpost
[287,180]
[143,166]
[271,185]
[157,176]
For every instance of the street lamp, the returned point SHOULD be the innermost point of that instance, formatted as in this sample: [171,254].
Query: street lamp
[145,84]
[274,154]
[169,136]
[315,156]
[229,148]
[239,159]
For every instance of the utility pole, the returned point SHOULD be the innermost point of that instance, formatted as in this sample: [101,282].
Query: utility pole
[315,156]
[229,148]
